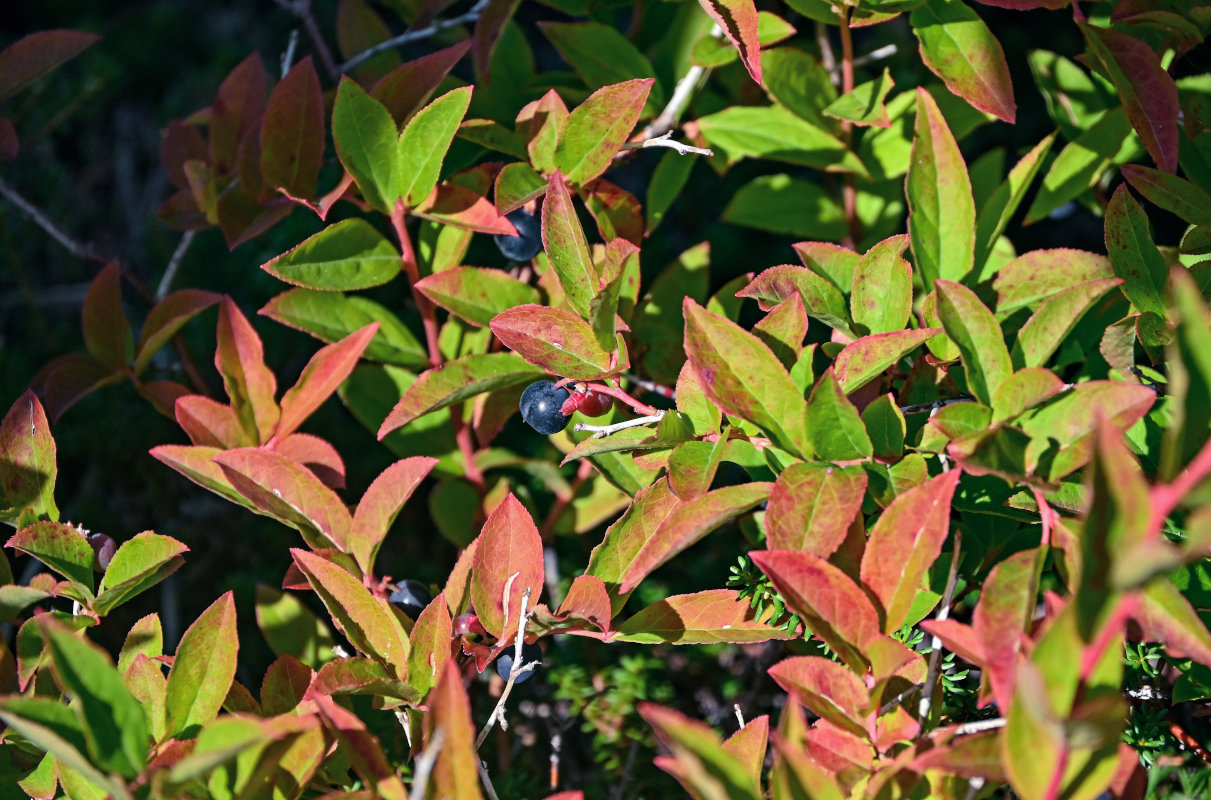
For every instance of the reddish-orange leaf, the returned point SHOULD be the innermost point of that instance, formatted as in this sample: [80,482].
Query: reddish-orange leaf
[623,541]
[326,371]
[381,502]
[617,212]
[508,560]
[28,59]
[738,20]
[240,359]
[712,616]
[455,774]
[1002,618]
[292,133]
[811,507]
[958,638]
[464,208]
[904,544]
[209,423]
[166,318]
[315,454]
[831,604]
[865,359]
[285,685]
[197,464]
[749,743]
[827,688]
[409,86]
[556,340]
[236,109]
[587,597]
[835,748]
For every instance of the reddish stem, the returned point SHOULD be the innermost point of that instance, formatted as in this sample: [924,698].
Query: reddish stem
[462,435]
[427,310]
[1114,625]
[1165,498]
[619,394]
[583,473]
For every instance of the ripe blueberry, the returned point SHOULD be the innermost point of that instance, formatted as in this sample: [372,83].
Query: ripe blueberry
[528,241]
[729,473]
[104,547]
[540,404]
[504,663]
[410,597]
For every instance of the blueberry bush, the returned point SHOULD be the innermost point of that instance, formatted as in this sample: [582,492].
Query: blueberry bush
[781,399]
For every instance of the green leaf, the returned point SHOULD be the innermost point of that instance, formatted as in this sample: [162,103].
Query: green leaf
[558,341]
[1080,163]
[885,426]
[1034,277]
[367,144]
[882,290]
[343,257]
[973,328]
[821,299]
[203,668]
[61,547]
[424,142]
[865,104]
[477,294]
[27,458]
[785,205]
[959,48]
[795,80]
[834,427]
[772,132]
[115,726]
[1001,204]
[54,729]
[743,376]
[1045,330]
[565,243]
[1133,255]
[1189,373]
[597,129]
[139,564]
[601,55]
[291,628]
[941,222]
[331,316]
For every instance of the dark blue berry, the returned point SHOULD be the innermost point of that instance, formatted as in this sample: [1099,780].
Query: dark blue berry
[528,241]
[411,597]
[729,473]
[540,404]
[504,664]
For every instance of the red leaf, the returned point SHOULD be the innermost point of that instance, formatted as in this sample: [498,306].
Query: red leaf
[28,59]
[285,685]
[811,507]
[904,544]
[623,540]
[831,604]
[958,638]
[292,132]
[240,359]
[749,744]
[709,617]
[315,454]
[464,208]
[209,423]
[409,86]
[163,395]
[196,463]
[70,378]
[324,373]
[688,523]
[825,687]
[738,19]
[587,597]
[1148,92]
[455,773]
[617,212]
[558,341]
[180,143]
[1002,619]
[379,505]
[865,359]
[508,560]
[236,109]
[361,748]
[166,318]
[106,329]
[290,493]
[1166,616]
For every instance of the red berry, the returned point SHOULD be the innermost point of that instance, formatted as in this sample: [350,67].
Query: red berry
[596,404]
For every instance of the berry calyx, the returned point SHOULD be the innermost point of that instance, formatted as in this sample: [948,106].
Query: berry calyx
[540,407]
[528,241]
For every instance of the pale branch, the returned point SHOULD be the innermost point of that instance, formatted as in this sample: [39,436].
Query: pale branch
[416,35]
[519,669]
[424,764]
[664,141]
[739,714]
[288,56]
[485,780]
[43,221]
[302,10]
[600,431]
[174,264]
[979,725]
[693,78]
[878,54]
[935,655]
[921,408]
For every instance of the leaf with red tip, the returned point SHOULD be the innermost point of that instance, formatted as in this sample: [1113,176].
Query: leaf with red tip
[366,620]
[430,642]
[361,748]
[508,560]
[587,599]
[290,493]
[240,359]
[60,547]
[317,455]
[358,675]
[865,359]
[1133,255]
[617,212]
[624,540]
[710,617]
[292,132]
[826,688]
[688,523]
[976,332]
[106,329]
[1177,195]
[941,221]
[1148,92]
[203,668]
[326,371]
[959,48]
[828,601]
[881,300]
[29,58]
[465,208]
[821,299]
[1003,617]
[565,243]
[744,377]
[904,544]
[379,505]
[738,20]
[456,381]
[1032,277]
[597,128]
[166,318]
[409,86]
[701,760]
[197,464]
[558,341]
[749,744]
[236,110]
[811,507]
[455,773]
[27,458]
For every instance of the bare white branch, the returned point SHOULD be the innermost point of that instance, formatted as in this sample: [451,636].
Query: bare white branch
[174,263]
[600,431]
[424,764]
[739,714]
[519,669]
[416,35]
[664,140]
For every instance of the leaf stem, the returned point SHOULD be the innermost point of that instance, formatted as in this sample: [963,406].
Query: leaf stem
[408,257]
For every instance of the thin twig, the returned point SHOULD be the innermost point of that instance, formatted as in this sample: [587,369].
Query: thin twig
[424,764]
[739,714]
[878,54]
[302,10]
[978,726]
[664,140]
[485,780]
[43,221]
[921,408]
[600,431]
[416,35]
[174,264]
[935,656]
[288,56]
[517,671]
